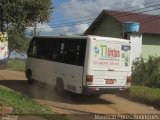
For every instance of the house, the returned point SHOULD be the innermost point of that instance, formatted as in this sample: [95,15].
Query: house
[110,24]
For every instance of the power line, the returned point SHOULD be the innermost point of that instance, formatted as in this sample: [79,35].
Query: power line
[65,23]
[114,29]
[64,6]
[82,17]
[75,22]
[89,20]
[148,3]
[140,11]
[67,5]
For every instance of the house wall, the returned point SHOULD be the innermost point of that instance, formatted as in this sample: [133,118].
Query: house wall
[109,28]
[151,45]
[136,45]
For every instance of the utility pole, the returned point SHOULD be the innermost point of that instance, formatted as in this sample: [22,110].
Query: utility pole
[2,17]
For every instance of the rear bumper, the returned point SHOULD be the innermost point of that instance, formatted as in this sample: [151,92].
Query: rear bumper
[103,89]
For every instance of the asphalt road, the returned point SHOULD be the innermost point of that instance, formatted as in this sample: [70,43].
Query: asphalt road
[75,106]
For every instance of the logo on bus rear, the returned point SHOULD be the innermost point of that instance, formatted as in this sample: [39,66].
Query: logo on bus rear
[103,51]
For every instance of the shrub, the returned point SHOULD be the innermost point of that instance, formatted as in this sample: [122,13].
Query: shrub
[147,73]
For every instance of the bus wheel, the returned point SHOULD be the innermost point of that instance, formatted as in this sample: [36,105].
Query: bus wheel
[29,77]
[59,86]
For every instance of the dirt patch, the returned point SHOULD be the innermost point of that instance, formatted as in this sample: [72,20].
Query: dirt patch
[126,95]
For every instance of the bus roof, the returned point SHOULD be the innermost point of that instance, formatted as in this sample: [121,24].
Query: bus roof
[61,37]
[84,37]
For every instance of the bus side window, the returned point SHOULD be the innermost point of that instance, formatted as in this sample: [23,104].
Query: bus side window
[61,52]
[57,51]
[82,53]
[77,53]
[46,48]
[62,47]
[33,50]
[34,53]
[29,52]
[78,49]
[40,50]
[72,52]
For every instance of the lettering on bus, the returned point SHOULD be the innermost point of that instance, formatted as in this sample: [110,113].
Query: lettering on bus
[103,51]
[106,63]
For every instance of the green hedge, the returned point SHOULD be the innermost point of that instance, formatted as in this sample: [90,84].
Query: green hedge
[145,94]
[147,73]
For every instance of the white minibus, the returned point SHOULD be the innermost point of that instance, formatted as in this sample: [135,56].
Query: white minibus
[80,64]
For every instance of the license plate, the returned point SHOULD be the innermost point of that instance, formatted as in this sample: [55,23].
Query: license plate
[110,81]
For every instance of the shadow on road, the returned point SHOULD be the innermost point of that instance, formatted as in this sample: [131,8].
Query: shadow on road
[47,92]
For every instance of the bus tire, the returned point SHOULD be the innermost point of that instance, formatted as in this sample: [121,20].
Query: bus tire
[29,77]
[59,86]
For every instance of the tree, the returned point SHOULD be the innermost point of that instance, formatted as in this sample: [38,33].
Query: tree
[20,14]
[26,12]
[17,40]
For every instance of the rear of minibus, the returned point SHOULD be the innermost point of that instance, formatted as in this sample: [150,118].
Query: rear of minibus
[107,66]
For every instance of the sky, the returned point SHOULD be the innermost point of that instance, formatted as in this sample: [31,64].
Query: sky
[72,17]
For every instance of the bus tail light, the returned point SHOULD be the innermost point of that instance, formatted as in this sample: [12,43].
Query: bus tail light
[89,79]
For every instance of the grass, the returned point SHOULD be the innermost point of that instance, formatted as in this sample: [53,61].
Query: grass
[16,65]
[145,94]
[24,105]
